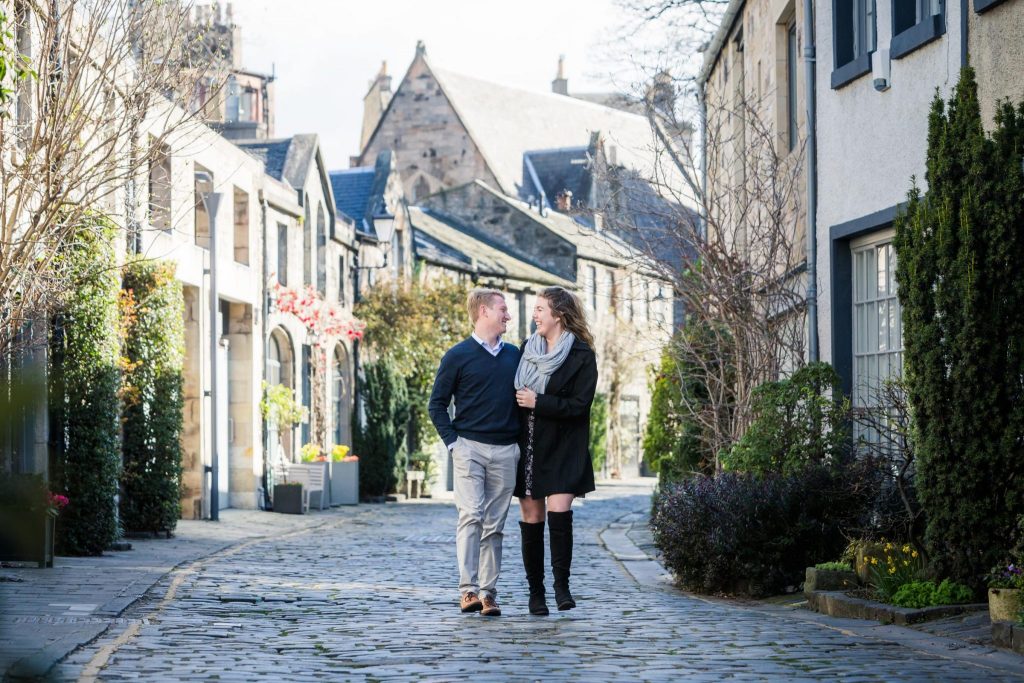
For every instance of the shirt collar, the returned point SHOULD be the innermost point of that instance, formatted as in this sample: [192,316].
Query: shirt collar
[493,349]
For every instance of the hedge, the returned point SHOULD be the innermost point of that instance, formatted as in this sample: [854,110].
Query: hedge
[153,403]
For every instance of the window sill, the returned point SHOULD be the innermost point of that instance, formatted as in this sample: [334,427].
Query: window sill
[851,71]
[918,35]
[985,5]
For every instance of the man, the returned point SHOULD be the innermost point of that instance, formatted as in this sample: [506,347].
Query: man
[482,439]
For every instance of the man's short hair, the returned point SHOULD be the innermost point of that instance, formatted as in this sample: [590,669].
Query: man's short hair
[480,297]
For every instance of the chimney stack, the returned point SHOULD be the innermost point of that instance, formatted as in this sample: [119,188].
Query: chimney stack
[561,84]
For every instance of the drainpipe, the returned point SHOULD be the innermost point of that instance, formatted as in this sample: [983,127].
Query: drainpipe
[813,354]
[265,315]
[703,105]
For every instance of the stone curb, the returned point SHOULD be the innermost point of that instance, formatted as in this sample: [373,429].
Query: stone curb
[838,604]
[38,664]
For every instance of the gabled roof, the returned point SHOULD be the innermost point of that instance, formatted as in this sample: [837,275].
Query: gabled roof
[286,159]
[442,240]
[506,122]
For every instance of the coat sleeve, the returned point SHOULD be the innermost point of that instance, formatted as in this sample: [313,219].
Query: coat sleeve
[441,397]
[576,405]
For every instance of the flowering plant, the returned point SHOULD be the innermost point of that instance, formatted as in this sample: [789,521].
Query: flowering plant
[55,503]
[311,452]
[340,453]
[897,566]
[1009,576]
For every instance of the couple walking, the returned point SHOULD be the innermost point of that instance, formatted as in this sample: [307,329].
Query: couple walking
[522,427]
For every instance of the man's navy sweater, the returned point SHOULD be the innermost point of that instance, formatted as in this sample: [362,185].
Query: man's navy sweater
[484,391]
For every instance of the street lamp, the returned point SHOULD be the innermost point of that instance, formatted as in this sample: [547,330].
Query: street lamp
[384,226]
[211,200]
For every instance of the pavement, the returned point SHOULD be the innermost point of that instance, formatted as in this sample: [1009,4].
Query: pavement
[369,593]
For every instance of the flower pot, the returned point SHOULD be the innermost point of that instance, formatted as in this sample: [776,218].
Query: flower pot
[345,483]
[288,498]
[1003,604]
[29,541]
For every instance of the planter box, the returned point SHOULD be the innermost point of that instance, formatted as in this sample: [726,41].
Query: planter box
[838,604]
[1003,604]
[30,542]
[828,580]
[345,483]
[288,498]
[315,496]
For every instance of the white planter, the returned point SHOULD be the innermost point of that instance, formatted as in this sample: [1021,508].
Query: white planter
[345,483]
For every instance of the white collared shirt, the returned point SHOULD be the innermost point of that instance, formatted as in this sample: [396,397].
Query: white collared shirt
[493,350]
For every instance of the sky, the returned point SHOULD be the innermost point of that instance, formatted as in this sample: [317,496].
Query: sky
[324,53]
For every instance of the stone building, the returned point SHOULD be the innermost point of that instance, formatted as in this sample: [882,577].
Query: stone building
[504,189]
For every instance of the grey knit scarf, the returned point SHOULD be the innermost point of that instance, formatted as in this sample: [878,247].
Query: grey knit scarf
[536,366]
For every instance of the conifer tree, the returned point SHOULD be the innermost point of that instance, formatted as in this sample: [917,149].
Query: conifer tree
[960,271]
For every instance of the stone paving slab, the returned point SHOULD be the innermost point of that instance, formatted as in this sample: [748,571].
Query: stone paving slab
[374,598]
[47,613]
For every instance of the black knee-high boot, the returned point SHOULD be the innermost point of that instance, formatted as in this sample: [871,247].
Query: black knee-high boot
[533,563]
[560,529]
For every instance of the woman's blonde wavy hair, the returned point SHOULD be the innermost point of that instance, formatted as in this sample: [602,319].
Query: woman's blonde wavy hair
[567,307]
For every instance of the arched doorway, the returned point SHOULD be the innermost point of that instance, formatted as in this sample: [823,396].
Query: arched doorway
[280,371]
[341,396]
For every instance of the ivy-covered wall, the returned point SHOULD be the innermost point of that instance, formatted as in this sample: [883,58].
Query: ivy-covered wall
[152,396]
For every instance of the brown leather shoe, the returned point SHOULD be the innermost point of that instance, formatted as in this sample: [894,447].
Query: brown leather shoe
[490,608]
[470,602]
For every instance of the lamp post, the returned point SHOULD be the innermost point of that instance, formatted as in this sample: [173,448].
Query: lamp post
[211,200]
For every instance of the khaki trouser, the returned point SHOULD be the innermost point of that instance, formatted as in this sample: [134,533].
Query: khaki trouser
[485,476]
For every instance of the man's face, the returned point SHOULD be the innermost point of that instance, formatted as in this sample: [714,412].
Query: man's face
[494,318]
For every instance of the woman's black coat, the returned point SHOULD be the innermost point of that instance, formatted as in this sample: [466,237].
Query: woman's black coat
[561,432]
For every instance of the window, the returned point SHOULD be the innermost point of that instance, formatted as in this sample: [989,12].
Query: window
[877,325]
[628,294]
[341,281]
[321,250]
[647,301]
[241,207]
[914,24]
[160,187]
[282,254]
[853,23]
[307,247]
[591,285]
[274,362]
[200,216]
[791,103]
[609,289]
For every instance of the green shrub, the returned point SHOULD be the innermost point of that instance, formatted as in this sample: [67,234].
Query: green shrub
[673,445]
[834,566]
[599,431]
[919,594]
[382,441]
[960,254]
[798,421]
[84,384]
[894,567]
[152,396]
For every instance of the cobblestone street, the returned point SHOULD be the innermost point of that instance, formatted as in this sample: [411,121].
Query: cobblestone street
[371,596]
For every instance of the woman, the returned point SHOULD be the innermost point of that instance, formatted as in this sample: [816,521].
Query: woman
[555,384]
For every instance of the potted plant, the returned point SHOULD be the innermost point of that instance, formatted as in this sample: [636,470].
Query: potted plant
[344,476]
[1004,591]
[288,498]
[28,516]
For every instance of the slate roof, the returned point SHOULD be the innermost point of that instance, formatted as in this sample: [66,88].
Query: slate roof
[287,159]
[557,170]
[439,239]
[352,188]
[507,122]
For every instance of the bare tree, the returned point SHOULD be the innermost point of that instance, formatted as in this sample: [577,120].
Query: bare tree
[101,86]
[731,246]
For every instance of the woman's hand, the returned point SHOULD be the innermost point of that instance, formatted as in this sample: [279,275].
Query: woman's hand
[526,398]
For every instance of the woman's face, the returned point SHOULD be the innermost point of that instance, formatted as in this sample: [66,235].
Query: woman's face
[544,318]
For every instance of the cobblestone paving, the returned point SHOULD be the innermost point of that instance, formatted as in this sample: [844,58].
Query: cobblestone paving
[372,597]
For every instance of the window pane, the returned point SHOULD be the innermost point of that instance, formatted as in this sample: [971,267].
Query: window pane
[883,326]
[870,281]
[883,270]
